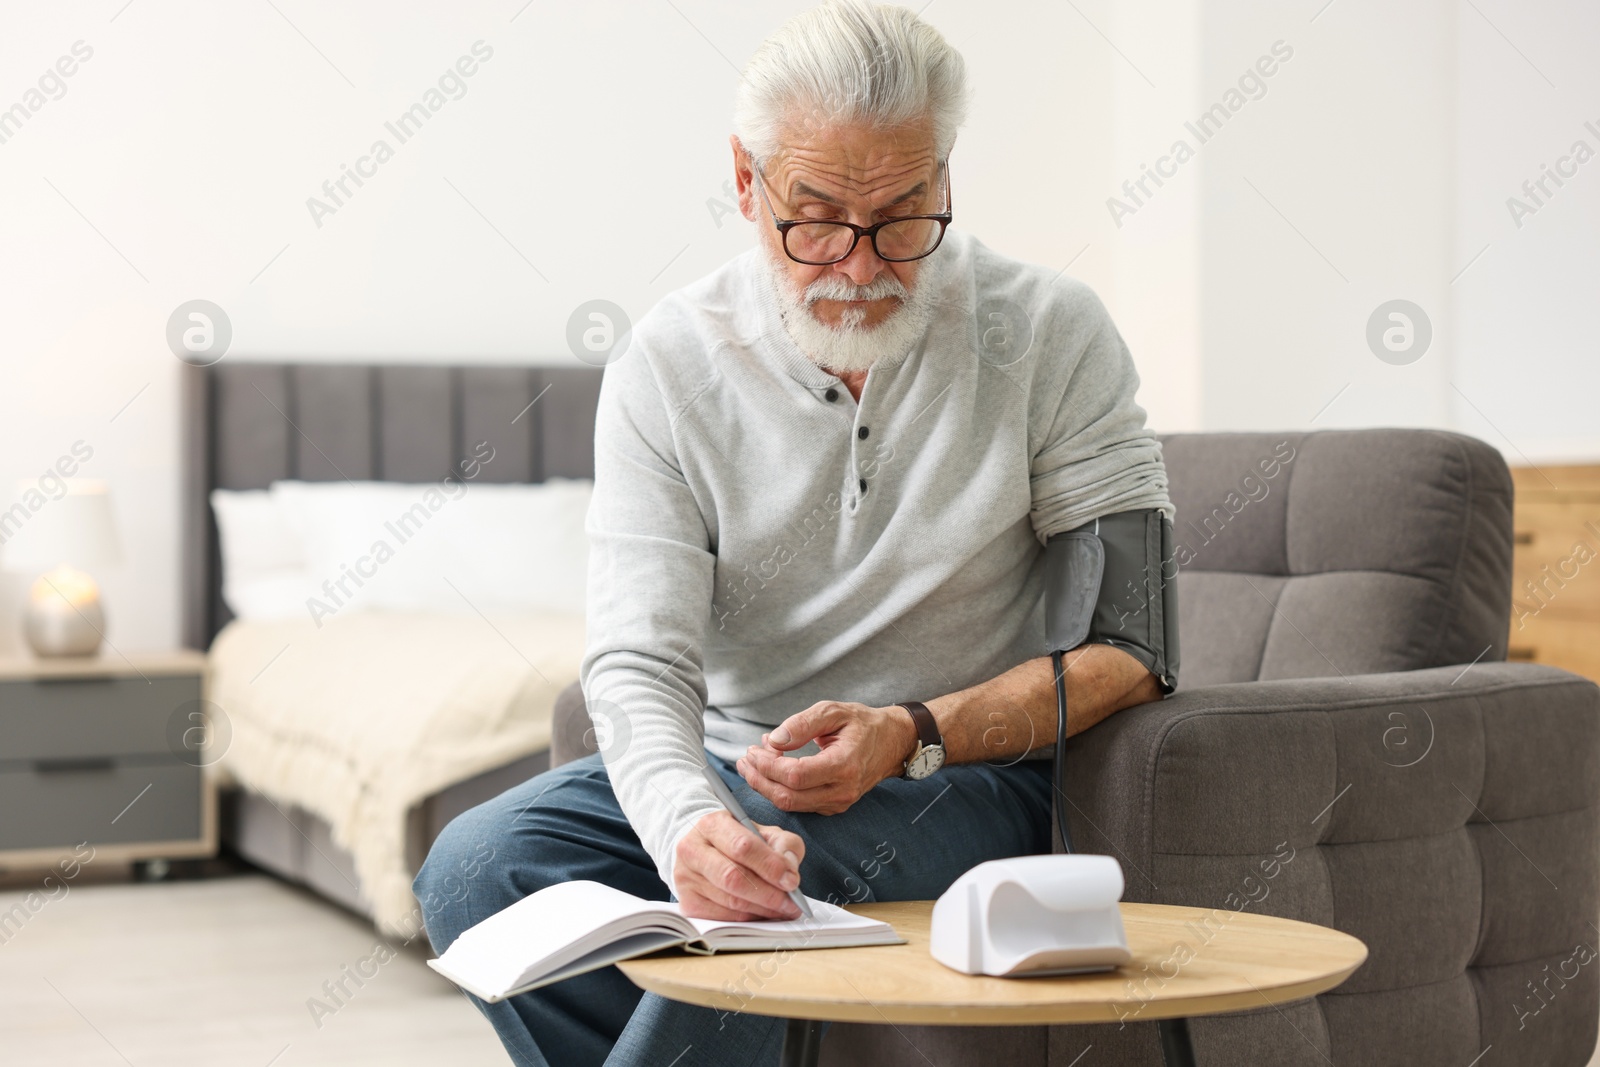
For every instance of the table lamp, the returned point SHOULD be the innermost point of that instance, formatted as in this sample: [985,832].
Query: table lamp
[63,616]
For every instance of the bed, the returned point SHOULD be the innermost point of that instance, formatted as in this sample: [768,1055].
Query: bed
[249,424]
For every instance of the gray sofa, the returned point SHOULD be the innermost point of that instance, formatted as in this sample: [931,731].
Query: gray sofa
[1344,608]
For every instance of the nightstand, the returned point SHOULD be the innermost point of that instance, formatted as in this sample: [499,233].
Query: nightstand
[1555,582]
[103,750]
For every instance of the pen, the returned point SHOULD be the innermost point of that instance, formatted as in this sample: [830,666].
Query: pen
[728,800]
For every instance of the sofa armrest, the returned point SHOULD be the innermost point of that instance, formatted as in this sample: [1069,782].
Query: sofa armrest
[1238,768]
[1447,817]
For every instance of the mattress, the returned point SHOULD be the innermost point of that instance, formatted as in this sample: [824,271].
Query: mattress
[359,721]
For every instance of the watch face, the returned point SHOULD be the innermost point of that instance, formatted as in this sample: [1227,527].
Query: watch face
[928,759]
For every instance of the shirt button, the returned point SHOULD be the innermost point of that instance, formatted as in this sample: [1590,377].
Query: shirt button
[863,485]
[831,395]
[862,433]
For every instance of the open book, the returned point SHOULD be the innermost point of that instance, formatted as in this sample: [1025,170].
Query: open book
[575,927]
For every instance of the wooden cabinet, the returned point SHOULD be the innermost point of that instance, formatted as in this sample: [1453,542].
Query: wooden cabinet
[96,751]
[1555,584]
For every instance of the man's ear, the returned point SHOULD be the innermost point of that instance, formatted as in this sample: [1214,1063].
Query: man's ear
[743,180]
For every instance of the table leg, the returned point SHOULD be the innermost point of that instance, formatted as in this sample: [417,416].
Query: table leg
[802,1043]
[1176,1051]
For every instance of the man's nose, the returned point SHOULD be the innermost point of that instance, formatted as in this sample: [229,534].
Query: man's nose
[862,266]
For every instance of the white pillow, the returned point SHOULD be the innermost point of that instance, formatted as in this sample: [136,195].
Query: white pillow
[447,546]
[263,568]
[290,551]
[521,547]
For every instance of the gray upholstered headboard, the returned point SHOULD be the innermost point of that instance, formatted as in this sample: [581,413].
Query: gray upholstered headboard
[247,425]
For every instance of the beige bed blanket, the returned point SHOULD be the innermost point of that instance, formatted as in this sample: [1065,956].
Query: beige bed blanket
[360,719]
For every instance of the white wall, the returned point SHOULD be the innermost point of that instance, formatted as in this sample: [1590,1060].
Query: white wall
[1324,199]
[1155,287]
[1528,362]
[1391,143]
[588,153]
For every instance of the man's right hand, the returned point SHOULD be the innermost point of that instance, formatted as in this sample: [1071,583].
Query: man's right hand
[724,872]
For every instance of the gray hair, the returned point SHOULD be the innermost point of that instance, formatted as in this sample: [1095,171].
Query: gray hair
[851,62]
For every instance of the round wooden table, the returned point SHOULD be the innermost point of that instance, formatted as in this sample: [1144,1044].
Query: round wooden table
[1186,962]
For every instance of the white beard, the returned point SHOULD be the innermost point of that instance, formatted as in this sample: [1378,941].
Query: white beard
[850,347]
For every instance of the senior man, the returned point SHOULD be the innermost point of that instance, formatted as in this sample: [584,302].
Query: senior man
[827,480]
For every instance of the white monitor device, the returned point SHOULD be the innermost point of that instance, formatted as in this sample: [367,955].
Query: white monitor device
[1032,915]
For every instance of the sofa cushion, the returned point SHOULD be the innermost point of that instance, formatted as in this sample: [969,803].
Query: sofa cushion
[1337,553]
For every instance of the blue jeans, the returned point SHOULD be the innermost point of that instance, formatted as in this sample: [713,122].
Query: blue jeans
[904,840]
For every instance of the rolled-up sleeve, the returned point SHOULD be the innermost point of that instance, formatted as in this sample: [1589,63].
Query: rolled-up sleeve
[650,581]
[1094,457]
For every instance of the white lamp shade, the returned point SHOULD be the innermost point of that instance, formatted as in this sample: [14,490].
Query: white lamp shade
[75,528]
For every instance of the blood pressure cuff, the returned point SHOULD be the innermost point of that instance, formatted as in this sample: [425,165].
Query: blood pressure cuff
[1113,581]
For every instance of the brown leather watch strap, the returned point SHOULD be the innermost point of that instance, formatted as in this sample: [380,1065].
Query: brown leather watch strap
[927,726]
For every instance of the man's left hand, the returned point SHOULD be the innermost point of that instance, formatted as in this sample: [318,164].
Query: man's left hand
[861,746]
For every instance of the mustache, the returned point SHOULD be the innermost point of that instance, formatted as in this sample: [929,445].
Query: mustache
[834,287]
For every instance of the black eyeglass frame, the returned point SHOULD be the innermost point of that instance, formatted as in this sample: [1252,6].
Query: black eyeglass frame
[943,218]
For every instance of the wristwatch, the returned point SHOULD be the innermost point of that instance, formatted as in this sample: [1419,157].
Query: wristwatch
[928,756]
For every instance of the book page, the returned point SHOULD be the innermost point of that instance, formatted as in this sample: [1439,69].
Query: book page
[564,920]
[578,926]
[829,925]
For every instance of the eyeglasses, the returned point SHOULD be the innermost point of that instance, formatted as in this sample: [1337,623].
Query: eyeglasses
[897,240]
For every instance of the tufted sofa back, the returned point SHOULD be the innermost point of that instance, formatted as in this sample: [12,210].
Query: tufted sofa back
[1338,553]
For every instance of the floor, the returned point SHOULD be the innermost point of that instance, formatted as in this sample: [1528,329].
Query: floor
[218,973]
[222,972]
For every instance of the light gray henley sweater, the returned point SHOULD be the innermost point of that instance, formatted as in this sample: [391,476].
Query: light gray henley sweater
[760,542]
